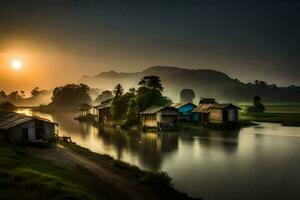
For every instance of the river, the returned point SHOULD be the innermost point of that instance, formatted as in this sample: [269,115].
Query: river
[258,162]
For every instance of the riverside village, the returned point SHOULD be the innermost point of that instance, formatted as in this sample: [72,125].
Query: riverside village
[102,135]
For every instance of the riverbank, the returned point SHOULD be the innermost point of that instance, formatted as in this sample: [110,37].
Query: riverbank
[70,171]
[286,119]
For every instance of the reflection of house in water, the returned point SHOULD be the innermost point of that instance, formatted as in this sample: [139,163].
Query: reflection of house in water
[18,128]
[103,110]
[226,141]
[148,148]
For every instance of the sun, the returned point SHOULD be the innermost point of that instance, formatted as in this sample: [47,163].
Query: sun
[16,64]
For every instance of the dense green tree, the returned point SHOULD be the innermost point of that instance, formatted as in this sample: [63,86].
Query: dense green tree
[187,95]
[120,105]
[70,96]
[147,97]
[152,82]
[144,97]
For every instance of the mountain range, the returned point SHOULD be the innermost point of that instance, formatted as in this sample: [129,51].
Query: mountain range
[205,83]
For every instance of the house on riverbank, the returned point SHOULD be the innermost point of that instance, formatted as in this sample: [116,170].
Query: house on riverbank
[103,110]
[159,117]
[18,128]
[85,109]
[185,110]
[211,112]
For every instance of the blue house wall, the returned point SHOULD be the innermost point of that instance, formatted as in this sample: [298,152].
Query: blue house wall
[187,109]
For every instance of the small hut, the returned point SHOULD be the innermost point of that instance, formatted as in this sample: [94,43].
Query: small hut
[185,110]
[103,110]
[210,112]
[85,109]
[160,117]
[18,128]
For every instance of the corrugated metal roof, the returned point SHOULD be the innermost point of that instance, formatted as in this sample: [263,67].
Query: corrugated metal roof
[13,119]
[154,109]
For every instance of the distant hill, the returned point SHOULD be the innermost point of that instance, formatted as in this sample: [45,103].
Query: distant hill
[205,83]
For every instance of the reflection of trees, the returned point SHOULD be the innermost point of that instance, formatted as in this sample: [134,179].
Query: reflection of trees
[115,138]
[227,140]
[150,148]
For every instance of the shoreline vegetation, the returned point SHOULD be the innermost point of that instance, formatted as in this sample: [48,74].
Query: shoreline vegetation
[57,178]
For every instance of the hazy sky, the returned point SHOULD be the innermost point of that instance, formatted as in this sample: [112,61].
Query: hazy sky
[59,41]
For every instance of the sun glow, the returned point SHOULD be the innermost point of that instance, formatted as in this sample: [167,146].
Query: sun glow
[16,64]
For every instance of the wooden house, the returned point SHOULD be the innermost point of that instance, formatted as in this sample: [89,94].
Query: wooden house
[216,113]
[103,110]
[18,128]
[185,110]
[85,109]
[160,117]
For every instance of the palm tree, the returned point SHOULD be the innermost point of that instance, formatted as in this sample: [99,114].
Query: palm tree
[118,90]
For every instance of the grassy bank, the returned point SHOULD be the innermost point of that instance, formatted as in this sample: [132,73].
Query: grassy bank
[25,176]
[158,183]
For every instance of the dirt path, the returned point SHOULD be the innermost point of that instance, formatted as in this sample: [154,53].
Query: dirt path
[121,185]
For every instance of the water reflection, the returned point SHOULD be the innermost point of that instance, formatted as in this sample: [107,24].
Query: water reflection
[149,148]
[252,161]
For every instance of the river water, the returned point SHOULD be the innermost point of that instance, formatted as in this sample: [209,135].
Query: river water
[258,162]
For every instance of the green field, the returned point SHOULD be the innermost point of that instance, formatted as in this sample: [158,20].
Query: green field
[276,108]
[286,114]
